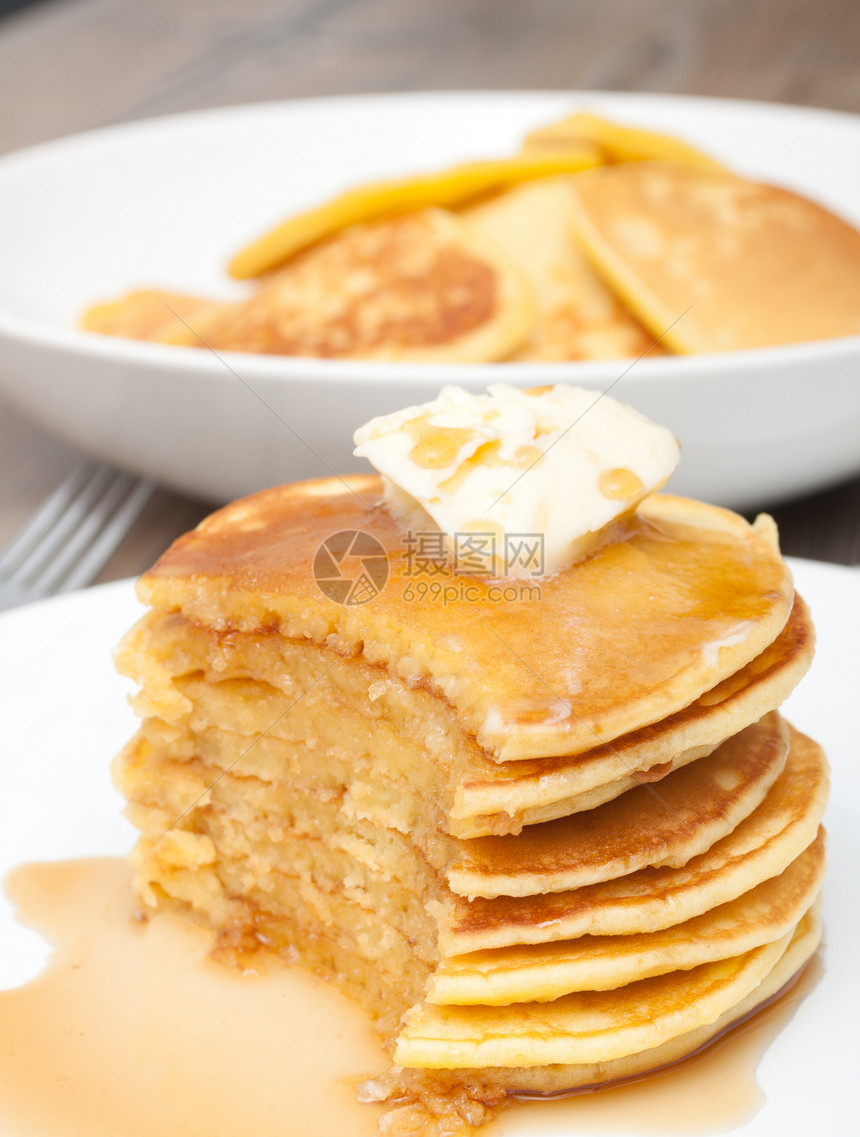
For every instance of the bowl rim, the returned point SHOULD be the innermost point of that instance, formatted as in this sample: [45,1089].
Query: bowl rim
[278,369]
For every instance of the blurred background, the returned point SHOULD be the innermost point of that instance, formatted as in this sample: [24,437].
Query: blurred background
[71,65]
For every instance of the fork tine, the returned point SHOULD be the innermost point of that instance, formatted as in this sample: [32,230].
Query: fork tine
[45,518]
[111,492]
[109,538]
[41,556]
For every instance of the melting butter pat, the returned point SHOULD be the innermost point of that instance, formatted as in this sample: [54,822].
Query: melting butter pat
[541,474]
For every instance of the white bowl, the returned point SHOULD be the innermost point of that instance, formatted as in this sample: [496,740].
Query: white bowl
[165,203]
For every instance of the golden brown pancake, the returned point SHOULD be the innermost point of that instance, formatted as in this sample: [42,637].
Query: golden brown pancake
[669,824]
[631,635]
[509,795]
[762,846]
[150,315]
[598,963]
[416,287]
[715,262]
[586,1026]
[576,315]
[539,1080]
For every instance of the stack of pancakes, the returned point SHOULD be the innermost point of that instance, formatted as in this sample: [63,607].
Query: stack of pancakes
[551,833]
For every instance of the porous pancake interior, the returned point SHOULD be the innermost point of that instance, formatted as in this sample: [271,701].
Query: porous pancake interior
[576,315]
[689,597]
[715,262]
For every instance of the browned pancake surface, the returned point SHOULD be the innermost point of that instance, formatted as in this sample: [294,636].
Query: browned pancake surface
[622,639]
[546,971]
[501,797]
[667,823]
[760,847]
[391,289]
[748,265]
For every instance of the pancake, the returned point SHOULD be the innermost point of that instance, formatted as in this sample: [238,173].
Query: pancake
[538,1081]
[692,809]
[587,1026]
[150,315]
[514,794]
[747,265]
[598,963]
[416,287]
[576,315]
[241,684]
[762,846]
[692,595]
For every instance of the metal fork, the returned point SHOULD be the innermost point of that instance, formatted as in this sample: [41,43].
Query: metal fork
[71,536]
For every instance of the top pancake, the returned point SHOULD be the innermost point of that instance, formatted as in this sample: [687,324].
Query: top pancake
[748,265]
[576,315]
[623,638]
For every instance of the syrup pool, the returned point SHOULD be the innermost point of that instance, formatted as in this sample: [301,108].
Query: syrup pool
[132,1031]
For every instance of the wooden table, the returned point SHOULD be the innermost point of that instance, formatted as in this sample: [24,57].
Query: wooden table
[68,65]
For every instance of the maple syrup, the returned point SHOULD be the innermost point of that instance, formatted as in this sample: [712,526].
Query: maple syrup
[133,1030]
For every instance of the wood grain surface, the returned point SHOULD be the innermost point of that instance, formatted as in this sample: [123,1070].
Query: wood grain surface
[69,65]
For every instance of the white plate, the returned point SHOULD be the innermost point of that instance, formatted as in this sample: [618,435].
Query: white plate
[64,716]
[165,203]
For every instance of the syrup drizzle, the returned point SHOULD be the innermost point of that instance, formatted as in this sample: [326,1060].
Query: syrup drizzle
[133,1030]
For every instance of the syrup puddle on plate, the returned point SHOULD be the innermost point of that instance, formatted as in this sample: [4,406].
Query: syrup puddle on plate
[132,1030]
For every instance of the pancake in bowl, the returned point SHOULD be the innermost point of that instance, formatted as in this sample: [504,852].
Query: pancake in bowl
[417,287]
[576,315]
[298,778]
[163,317]
[716,262]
